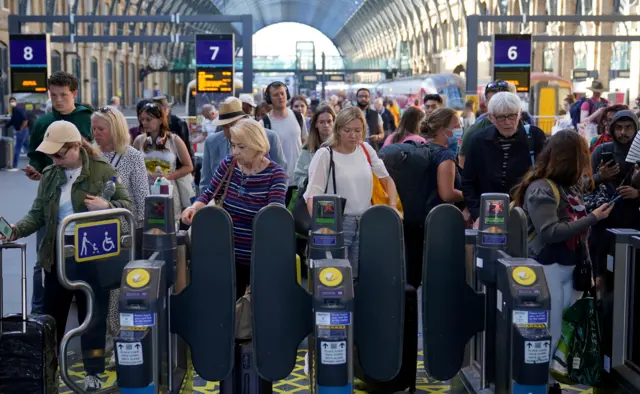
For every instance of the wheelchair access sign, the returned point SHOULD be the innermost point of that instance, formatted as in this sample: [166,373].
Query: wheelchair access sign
[97,240]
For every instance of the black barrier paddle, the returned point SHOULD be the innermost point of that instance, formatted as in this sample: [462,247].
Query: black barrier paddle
[282,313]
[452,312]
[380,294]
[203,314]
[517,229]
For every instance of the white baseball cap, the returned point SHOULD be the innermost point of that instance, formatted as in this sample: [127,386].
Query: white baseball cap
[247,99]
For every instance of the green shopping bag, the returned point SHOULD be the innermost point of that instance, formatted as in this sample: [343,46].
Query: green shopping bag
[577,358]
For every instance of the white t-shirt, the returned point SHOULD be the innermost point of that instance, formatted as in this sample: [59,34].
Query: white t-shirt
[290,135]
[66,207]
[353,177]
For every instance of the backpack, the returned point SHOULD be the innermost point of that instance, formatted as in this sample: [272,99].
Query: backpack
[575,109]
[530,143]
[267,122]
[408,164]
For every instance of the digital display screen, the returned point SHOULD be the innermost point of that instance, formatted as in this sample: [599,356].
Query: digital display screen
[214,81]
[326,240]
[520,77]
[494,239]
[29,80]
[325,211]
[494,212]
[512,50]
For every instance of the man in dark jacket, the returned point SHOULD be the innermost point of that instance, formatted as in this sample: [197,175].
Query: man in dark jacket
[501,154]
[616,175]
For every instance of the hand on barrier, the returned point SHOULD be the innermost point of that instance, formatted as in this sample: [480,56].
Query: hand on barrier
[31,173]
[476,224]
[188,214]
[603,211]
[94,203]
[628,192]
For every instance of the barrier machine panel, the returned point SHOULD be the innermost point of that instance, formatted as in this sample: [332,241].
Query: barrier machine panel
[514,307]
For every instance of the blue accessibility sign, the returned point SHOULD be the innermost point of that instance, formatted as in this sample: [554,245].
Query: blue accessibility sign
[97,240]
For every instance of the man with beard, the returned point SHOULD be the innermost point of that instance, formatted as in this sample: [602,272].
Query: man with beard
[375,129]
[611,169]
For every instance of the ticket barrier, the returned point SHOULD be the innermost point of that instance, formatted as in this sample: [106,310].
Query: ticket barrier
[620,322]
[284,313]
[89,261]
[453,312]
[149,357]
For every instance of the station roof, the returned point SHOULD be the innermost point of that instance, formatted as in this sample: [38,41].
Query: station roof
[328,16]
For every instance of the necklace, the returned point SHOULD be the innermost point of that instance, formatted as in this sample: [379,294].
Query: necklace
[244,178]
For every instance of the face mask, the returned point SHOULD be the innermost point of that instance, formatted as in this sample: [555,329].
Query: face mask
[452,141]
[13,103]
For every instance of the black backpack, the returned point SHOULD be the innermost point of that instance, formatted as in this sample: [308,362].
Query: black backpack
[267,122]
[408,164]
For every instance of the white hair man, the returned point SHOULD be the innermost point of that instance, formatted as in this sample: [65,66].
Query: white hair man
[500,154]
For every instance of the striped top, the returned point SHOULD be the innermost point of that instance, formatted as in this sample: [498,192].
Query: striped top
[246,195]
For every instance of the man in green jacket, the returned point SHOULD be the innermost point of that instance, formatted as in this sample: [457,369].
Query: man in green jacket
[63,90]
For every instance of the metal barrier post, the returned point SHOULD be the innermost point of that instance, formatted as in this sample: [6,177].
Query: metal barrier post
[61,254]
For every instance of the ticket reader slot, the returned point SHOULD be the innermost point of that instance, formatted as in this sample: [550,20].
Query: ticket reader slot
[523,320]
[159,232]
[140,345]
[326,235]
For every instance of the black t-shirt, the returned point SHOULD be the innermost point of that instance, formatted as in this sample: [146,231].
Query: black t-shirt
[18,116]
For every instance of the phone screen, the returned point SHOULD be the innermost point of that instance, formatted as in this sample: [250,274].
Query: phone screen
[607,157]
[5,228]
[618,197]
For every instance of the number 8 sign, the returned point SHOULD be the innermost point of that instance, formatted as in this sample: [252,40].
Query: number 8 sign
[28,50]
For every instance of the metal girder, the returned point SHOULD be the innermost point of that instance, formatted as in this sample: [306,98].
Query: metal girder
[450,25]
[112,8]
[94,11]
[50,9]
[439,18]
[401,8]
[394,13]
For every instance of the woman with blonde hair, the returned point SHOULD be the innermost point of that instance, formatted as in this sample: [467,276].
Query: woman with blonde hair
[255,182]
[355,162]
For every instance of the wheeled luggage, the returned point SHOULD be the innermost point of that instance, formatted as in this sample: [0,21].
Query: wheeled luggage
[28,356]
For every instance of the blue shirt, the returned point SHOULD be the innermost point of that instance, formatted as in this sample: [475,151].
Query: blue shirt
[18,116]
[440,157]
[217,147]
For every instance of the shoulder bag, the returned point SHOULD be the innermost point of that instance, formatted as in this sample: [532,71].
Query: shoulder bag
[185,183]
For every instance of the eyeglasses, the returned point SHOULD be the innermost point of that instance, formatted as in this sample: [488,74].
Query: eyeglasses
[59,155]
[105,110]
[497,86]
[502,118]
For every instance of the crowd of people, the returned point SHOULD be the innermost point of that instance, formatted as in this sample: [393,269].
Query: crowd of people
[289,149]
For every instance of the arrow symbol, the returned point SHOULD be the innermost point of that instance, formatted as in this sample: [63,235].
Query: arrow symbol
[120,346]
[325,345]
[342,346]
[546,344]
[137,346]
[529,345]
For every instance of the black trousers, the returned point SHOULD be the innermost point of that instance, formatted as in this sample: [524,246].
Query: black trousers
[57,301]
[243,278]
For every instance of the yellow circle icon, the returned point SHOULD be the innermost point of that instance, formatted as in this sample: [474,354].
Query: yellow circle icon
[330,277]
[138,278]
[524,276]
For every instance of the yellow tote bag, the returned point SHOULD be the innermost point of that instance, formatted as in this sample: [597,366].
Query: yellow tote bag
[379,195]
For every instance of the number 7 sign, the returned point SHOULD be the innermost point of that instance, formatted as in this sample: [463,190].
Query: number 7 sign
[214,52]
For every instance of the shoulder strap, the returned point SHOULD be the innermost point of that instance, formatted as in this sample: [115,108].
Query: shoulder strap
[530,143]
[266,122]
[366,153]
[332,173]
[554,189]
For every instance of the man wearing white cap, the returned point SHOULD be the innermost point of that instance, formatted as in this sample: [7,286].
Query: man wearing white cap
[217,146]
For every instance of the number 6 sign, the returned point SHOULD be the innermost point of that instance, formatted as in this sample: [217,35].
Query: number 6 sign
[512,50]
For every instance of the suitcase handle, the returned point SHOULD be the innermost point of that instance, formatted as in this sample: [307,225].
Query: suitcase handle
[23,285]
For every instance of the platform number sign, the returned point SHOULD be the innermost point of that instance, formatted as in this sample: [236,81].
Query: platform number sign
[215,57]
[512,59]
[29,62]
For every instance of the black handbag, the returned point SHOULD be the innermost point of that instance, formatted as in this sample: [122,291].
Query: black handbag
[301,217]
[582,276]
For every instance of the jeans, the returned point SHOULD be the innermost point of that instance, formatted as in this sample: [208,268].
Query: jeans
[22,138]
[351,231]
[37,297]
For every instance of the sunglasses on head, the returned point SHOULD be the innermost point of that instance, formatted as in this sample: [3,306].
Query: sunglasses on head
[104,110]
[497,86]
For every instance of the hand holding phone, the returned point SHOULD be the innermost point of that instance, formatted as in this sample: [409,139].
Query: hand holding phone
[6,230]
[615,199]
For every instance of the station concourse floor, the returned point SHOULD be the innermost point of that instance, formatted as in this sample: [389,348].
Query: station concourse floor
[16,201]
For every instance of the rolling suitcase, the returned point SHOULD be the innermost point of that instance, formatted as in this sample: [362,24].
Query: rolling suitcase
[406,378]
[28,360]
[6,153]
[244,378]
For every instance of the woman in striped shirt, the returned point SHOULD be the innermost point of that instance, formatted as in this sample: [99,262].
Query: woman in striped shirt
[255,182]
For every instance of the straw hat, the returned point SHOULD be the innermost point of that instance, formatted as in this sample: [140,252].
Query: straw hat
[230,111]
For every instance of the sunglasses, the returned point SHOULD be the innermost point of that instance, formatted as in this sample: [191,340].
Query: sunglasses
[497,86]
[105,110]
[59,155]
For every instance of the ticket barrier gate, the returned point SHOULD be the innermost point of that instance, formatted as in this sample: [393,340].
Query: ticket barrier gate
[620,324]
[284,313]
[518,308]
[149,357]
[91,263]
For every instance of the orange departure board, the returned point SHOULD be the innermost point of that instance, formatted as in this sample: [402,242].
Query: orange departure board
[215,81]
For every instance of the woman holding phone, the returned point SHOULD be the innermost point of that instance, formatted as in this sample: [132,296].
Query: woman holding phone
[71,185]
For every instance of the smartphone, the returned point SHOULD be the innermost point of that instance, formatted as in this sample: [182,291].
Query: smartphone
[615,199]
[5,228]
[607,157]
